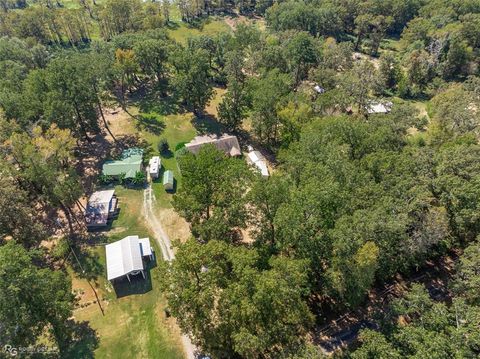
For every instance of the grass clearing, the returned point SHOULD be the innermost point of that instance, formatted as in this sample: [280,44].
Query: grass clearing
[134,326]
[180,31]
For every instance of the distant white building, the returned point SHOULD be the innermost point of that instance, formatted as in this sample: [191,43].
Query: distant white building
[379,107]
[154,166]
[255,158]
[318,89]
[125,257]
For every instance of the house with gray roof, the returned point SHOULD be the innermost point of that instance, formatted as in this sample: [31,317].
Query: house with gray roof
[101,206]
[225,143]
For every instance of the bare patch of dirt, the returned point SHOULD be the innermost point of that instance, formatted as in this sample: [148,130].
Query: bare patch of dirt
[83,292]
[119,122]
[233,21]
[175,226]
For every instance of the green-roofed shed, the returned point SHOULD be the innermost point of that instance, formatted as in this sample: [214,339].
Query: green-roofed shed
[130,163]
[168,180]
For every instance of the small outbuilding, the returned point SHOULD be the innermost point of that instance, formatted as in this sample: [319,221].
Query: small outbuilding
[168,180]
[379,107]
[101,206]
[154,166]
[125,257]
[255,158]
[318,89]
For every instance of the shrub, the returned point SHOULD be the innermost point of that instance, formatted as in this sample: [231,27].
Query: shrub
[163,146]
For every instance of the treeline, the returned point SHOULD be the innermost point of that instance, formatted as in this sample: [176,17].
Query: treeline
[50,23]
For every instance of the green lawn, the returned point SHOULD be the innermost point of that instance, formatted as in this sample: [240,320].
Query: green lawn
[180,32]
[134,325]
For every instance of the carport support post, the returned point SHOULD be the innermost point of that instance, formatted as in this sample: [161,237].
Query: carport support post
[128,277]
[143,274]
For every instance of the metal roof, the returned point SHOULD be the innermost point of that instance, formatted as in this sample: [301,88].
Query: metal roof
[154,164]
[99,201]
[145,246]
[123,257]
[168,177]
[258,160]
[130,163]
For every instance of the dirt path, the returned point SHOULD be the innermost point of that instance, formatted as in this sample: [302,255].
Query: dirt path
[166,246]
[153,223]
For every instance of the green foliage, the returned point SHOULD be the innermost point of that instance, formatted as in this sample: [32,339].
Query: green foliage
[46,163]
[140,178]
[105,179]
[32,298]
[232,110]
[353,199]
[213,199]
[360,83]
[427,329]
[193,80]
[466,283]
[267,94]
[231,306]
[16,213]
[163,146]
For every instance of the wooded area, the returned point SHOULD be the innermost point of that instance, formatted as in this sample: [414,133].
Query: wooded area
[356,196]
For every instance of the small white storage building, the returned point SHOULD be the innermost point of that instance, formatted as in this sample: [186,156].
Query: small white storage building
[168,181]
[318,89]
[255,158]
[154,166]
[379,107]
[125,257]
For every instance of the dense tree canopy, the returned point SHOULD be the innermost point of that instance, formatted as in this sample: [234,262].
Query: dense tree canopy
[32,298]
[420,327]
[355,196]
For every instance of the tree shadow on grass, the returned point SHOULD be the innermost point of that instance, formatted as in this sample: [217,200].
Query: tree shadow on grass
[157,99]
[166,154]
[84,340]
[150,123]
[206,123]
[172,25]
[86,263]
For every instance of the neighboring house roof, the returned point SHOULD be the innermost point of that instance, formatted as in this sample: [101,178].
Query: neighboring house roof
[125,256]
[379,107]
[168,177]
[99,206]
[130,163]
[154,164]
[257,159]
[226,143]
